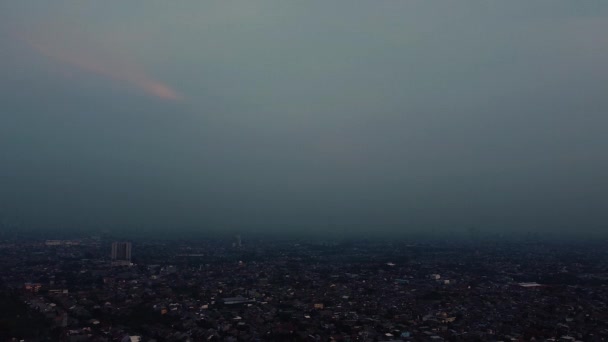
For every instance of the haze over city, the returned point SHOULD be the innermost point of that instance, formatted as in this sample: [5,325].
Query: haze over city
[345,117]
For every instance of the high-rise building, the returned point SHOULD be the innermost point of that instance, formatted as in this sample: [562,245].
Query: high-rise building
[236,242]
[121,253]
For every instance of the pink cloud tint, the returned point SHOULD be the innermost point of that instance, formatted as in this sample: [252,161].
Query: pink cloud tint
[110,69]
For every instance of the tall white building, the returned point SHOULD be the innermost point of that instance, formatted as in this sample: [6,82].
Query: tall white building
[121,253]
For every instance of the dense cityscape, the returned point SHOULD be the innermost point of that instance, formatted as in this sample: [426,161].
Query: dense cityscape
[249,289]
[315,171]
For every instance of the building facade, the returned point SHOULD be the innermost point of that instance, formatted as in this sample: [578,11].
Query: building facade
[121,253]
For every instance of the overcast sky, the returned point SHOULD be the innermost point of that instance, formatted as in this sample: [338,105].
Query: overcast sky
[299,116]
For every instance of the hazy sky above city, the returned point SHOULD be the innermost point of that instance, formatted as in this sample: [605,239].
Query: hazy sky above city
[305,116]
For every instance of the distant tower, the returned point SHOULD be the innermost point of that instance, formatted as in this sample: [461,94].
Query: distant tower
[237,241]
[121,253]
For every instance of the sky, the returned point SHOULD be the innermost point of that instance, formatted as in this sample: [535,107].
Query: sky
[340,116]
